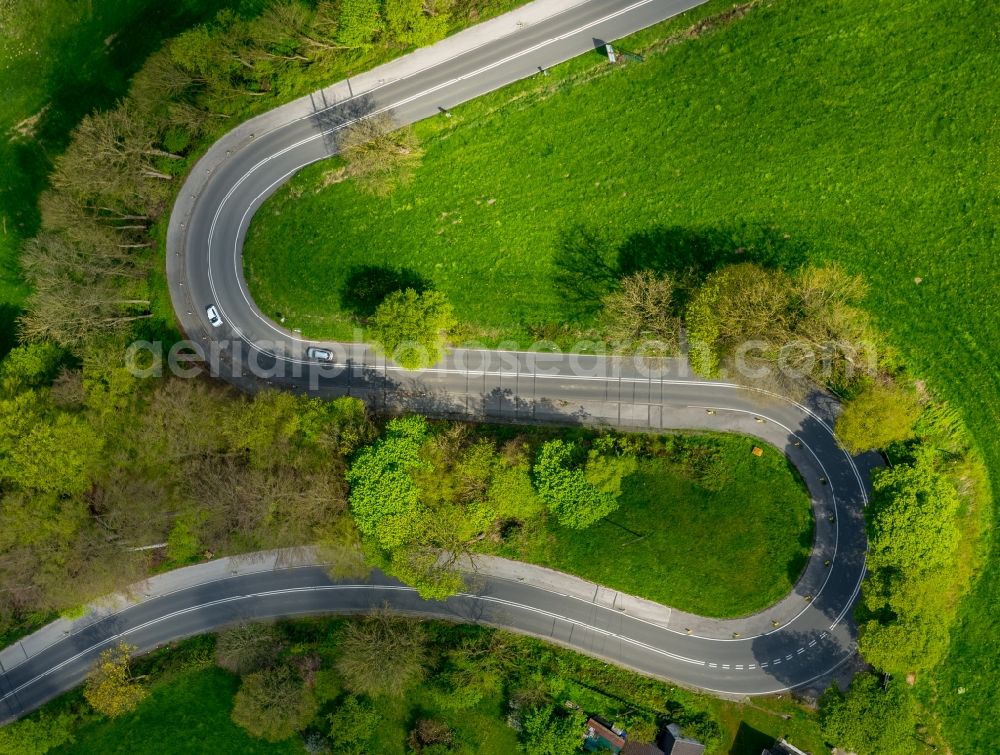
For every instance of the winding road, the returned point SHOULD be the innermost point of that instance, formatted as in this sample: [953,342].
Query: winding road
[799,642]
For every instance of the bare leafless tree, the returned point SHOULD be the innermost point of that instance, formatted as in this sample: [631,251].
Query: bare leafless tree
[380,156]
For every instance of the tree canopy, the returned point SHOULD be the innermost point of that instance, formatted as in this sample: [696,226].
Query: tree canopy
[578,494]
[380,154]
[273,704]
[412,329]
[110,688]
[913,541]
[382,655]
[878,417]
[871,719]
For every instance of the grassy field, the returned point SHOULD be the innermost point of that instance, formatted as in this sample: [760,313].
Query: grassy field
[752,527]
[826,131]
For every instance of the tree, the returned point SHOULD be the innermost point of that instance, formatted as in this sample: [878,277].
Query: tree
[351,725]
[416,22]
[247,647]
[45,451]
[273,704]
[413,328]
[382,655]
[871,719]
[912,519]
[546,731]
[384,499]
[114,160]
[768,327]
[563,485]
[110,688]
[341,425]
[37,735]
[30,365]
[736,304]
[911,588]
[379,154]
[640,314]
[359,23]
[878,417]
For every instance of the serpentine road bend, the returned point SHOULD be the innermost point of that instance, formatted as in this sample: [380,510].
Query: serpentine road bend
[799,642]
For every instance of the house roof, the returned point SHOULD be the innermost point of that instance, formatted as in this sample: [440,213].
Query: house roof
[675,743]
[602,735]
[632,747]
[781,747]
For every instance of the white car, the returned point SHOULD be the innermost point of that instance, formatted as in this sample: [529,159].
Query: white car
[213,315]
[320,355]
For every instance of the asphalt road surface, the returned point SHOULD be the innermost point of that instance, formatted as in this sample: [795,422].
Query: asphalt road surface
[815,635]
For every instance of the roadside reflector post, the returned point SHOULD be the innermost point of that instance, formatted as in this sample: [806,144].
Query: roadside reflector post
[611,53]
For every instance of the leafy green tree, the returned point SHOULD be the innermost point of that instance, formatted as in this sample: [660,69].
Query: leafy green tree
[262,424]
[912,519]
[736,304]
[351,726]
[384,499]
[574,500]
[382,655]
[512,495]
[416,22]
[110,688]
[341,425]
[413,328]
[273,704]
[46,451]
[871,719]
[546,731]
[912,641]
[606,472]
[37,735]
[30,365]
[878,417]
[359,23]
[910,592]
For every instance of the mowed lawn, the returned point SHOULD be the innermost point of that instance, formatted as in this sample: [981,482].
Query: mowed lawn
[867,133]
[728,549]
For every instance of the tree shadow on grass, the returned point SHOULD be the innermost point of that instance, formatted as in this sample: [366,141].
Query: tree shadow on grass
[588,263]
[8,327]
[749,741]
[366,286]
[797,563]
